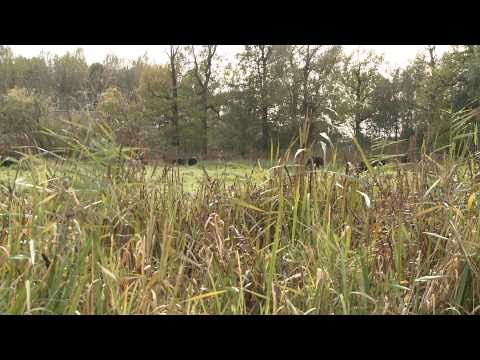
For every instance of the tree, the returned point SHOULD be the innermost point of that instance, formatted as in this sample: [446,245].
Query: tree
[256,64]
[385,106]
[20,116]
[433,96]
[360,75]
[238,130]
[129,78]
[175,56]
[306,85]
[7,76]
[319,65]
[102,76]
[461,68]
[203,71]
[70,73]
[288,86]
[155,90]
[112,66]
[410,83]
[112,105]
[122,116]
[32,74]
[95,82]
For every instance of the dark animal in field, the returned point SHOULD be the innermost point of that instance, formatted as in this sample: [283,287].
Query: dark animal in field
[180,161]
[192,161]
[315,161]
[376,163]
[141,158]
[350,168]
[7,162]
[362,167]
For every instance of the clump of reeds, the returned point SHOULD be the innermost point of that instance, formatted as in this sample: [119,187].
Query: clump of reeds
[97,234]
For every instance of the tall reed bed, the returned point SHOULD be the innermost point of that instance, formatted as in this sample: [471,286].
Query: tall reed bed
[95,233]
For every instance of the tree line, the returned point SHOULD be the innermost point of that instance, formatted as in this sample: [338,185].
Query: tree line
[197,103]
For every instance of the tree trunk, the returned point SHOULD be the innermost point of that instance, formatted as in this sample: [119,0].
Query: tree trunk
[204,122]
[412,148]
[68,109]
[203,84]
[176,135]
[263,94]
[265,128]
[396,128]
[305,103]
[358,132]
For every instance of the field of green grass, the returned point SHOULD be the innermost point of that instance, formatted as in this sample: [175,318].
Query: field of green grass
[225,172]
[190,176]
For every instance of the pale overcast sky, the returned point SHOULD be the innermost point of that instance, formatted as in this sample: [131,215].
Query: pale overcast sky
[394,54]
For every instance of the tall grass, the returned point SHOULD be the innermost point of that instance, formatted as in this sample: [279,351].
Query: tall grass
[96,233]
